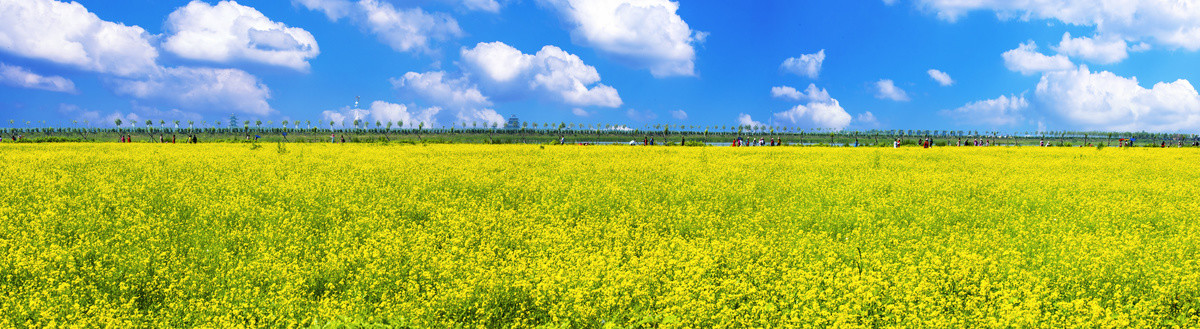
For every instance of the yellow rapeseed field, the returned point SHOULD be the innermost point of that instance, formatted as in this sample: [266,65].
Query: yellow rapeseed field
[223,235]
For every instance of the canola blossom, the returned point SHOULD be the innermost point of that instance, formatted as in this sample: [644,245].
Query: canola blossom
[225,235]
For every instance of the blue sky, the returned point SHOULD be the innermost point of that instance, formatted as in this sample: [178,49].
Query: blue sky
[1012,66]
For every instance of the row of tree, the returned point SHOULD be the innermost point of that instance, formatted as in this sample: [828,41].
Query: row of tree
[384,127]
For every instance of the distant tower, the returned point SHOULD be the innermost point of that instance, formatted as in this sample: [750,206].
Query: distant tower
[513,123]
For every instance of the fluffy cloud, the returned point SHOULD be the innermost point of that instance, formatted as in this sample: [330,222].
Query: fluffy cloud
[334,9]
[404,30]
[679,114]
[67,33]
[389,112]
[1095,50]
[941,77]
[811,93]
[746,120]
[807,65]
[580,112]
[230,32]
[1105,101]
[201,89]
[458,94]
[1172,23]
[17,76]
[785,92]
[866,120]
[436,88]
[384,112]
[642,33]
[886,89]
[551,72]
[344,117]
[820,111]
[1001,111]
[1027,60]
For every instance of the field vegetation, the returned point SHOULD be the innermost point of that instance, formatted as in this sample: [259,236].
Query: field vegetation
[314,235]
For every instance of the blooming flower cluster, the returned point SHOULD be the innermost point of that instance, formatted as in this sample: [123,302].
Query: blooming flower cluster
[224,235]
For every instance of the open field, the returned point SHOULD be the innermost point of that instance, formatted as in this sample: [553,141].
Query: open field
[223,235]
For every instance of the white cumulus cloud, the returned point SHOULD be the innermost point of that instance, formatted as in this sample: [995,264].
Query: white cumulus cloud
[1095,50]
[746,120]
[866,120]
[821,111]
[457,94]
[1027,60]
[886,89]
[230,32]
[642,33]
[807,65]
[1173,23]
[400,113]
[785,92]
[17,76]
[941,77]
[437,88]
[1001,111]
[1105,101]
[406,29]
[67,33]
[201,89]
[679,114]
[551,72]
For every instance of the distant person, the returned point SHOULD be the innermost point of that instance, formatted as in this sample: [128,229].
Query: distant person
[172,138]
[651,141]
[343,139]
[896,143]
[332,138]
[645,141]
[682,141]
